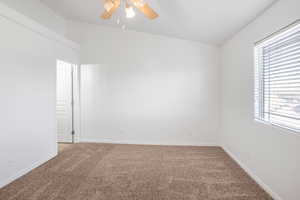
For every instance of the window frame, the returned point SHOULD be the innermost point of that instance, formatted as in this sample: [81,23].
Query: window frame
[260,81]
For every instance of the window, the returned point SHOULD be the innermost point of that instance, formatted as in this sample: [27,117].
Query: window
[277,79]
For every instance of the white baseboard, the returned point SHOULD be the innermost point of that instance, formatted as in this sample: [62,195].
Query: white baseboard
[146,143]
[25,171]
[268,189]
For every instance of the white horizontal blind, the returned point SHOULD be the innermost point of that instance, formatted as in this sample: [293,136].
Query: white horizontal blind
[277,79]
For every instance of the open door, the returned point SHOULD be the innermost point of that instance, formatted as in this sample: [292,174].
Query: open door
[65,102]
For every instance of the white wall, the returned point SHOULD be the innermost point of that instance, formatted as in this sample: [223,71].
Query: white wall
[28,93]
[147,89]
[39,12]
[270,153]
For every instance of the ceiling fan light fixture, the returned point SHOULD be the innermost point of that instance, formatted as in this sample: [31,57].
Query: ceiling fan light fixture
[129,11]
[111,7]
[140,3]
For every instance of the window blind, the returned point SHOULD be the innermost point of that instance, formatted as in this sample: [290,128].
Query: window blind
[277,79]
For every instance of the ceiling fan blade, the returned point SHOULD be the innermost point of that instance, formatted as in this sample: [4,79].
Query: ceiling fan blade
[109,13]
[145,8]
[148,11]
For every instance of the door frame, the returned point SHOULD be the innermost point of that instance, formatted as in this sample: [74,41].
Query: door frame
[75,100]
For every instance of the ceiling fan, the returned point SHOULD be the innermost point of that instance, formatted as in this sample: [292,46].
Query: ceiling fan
[111,6]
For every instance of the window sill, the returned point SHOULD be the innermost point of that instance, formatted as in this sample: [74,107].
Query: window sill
[278,127]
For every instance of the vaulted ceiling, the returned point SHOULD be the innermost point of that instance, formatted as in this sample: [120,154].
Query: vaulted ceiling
[210,21]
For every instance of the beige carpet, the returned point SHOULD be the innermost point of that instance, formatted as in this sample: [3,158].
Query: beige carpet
[136,172]
[63,146]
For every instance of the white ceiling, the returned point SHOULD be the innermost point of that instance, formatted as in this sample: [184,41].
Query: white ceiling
[210,21]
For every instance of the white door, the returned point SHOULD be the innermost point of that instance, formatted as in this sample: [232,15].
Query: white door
[64,96]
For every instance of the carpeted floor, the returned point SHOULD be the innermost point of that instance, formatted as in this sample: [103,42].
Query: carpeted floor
[63,146]
[136,172]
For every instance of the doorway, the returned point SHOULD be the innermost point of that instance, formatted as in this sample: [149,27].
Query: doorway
[65,96]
